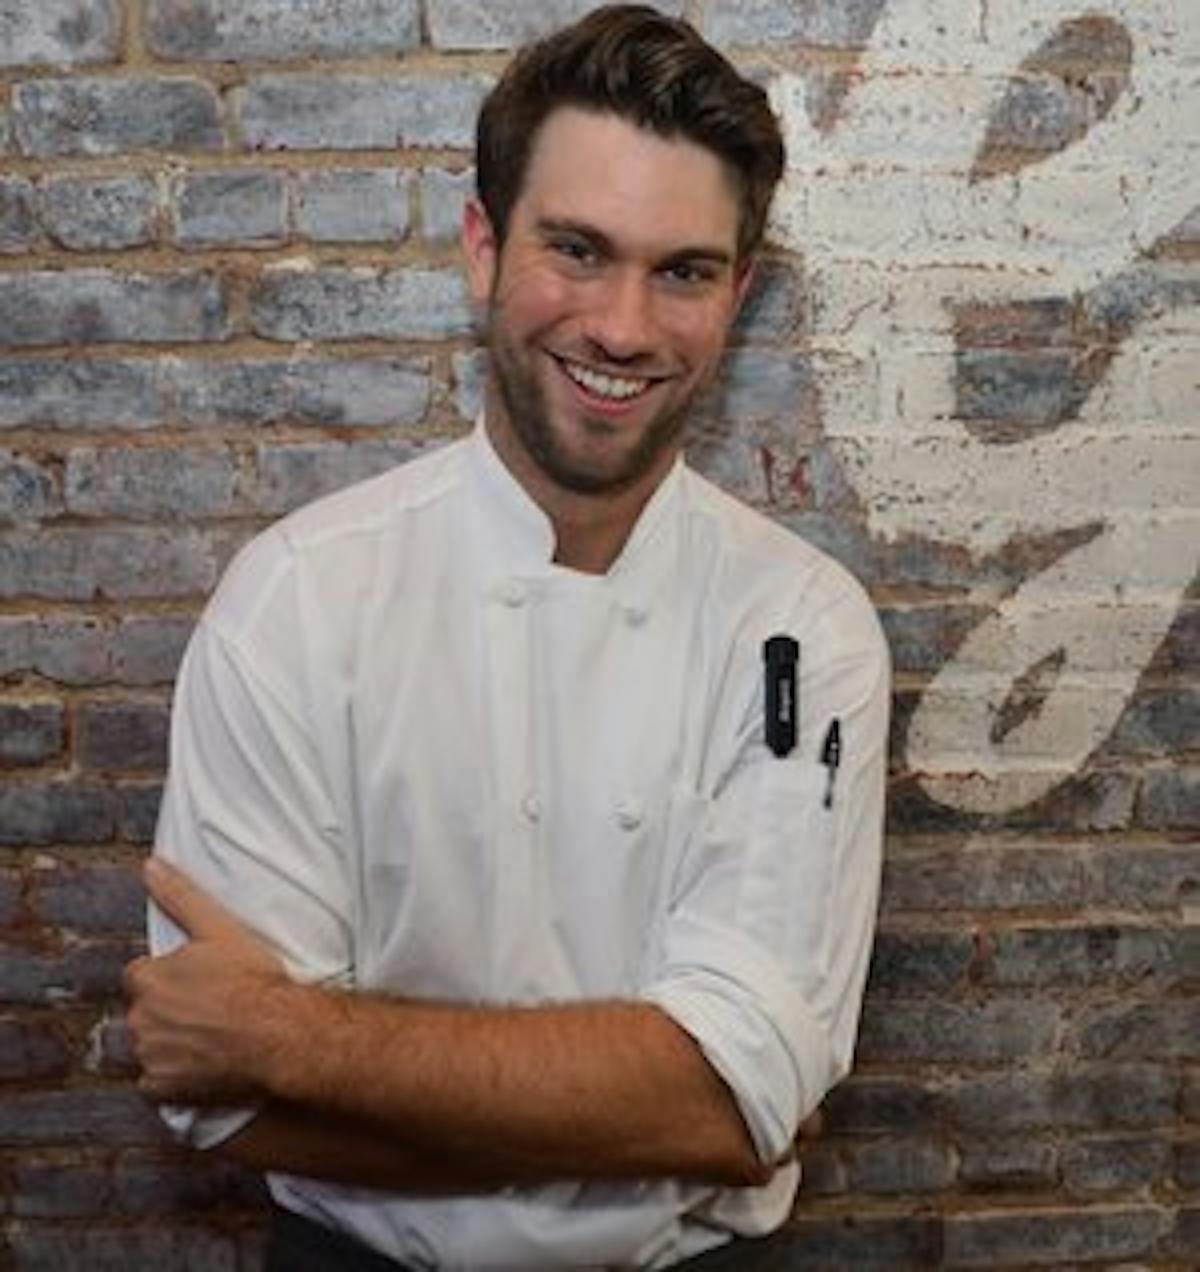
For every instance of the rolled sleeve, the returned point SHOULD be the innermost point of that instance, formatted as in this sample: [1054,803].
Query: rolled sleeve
[766,934]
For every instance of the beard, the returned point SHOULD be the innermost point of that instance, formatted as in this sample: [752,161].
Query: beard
[529,412]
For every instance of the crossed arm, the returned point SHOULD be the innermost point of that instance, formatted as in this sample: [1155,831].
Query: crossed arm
[417,1096]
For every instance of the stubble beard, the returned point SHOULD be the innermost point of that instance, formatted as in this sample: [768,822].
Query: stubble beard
[530,416]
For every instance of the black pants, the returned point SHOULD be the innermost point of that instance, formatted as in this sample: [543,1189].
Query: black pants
[296,1244]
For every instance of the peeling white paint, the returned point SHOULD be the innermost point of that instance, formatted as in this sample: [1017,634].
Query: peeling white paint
[893,232]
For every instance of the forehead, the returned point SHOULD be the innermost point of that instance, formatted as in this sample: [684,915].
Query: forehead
[599,169]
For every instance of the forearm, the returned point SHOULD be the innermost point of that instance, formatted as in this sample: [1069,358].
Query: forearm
[612,1090]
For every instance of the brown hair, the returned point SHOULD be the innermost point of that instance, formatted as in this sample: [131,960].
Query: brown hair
[652,70]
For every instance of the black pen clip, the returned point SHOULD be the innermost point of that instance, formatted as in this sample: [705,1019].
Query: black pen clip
[831,757]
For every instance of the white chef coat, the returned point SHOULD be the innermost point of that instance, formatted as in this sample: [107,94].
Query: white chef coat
[419,757]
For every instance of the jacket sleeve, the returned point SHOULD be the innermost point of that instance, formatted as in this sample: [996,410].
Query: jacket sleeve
[767,928]
[246,811]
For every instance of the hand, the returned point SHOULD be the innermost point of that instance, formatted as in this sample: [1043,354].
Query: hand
[198,1016]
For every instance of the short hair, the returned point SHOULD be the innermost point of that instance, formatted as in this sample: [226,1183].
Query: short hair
[655,72]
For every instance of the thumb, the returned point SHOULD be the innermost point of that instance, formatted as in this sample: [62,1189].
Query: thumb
[188,905]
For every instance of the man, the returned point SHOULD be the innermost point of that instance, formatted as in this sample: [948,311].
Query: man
[555,921]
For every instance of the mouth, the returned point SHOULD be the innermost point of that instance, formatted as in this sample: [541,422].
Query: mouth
[603,386]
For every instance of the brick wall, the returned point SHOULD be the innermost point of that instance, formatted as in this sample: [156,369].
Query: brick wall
[228,283]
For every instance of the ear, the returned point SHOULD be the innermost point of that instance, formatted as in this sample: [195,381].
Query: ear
[480,250]
[743,280]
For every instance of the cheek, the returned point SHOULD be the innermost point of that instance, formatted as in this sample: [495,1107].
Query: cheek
[531,299]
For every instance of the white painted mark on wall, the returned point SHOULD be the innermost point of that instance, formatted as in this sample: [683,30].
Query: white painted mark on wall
[901,227]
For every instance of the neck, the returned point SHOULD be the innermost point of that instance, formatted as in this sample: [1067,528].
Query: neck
[590,530]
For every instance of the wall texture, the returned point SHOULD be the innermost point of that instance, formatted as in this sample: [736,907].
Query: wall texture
[228,283]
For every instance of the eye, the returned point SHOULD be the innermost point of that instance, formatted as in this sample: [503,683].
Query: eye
[688,274]
[575,250]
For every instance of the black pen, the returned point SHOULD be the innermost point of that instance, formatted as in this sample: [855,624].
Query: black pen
[831,757]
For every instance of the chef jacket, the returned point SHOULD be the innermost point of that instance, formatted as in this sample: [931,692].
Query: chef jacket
[419,757]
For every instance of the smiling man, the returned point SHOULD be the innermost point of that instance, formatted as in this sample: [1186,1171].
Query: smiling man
[525,802]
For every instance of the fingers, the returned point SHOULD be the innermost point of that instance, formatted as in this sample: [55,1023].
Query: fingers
[187,904]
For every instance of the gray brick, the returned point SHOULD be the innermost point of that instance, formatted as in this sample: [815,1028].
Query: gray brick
[115,116]
[34,813]
[295,475]
[775,310]
[986,879]
[865,1243]
[1007,395]
[1018,1164]
[101,213]
[1051,1238]
[231,209]
[60,32]
[92,899]
[1159,722]
[121,735]
[81,394]
[924,638]
[139,810]
[85,1117]
[997,1031]
[192,1186]
[352,392]
[1106,1096]
[88,972]
[147,651]
[321,112]
[765,384]
[1115,1165]
[111,1053]
[18,221]
[1184,1238]
[1159,877]
[69,651]
[1171,800]
[97,306]
[75,563]
[502,24]
[28,490]
[1186,1167]
[31,732]
[244,30]
[336,303]
[1159,1030]
[900,1167]
[31,1049]
[60,1190]
[470,376]
[1080,956]
[891,1105]
[920,962]
[848,23]
[365,205]
[10,898]
[152,484]
[40,1248]
[442,197]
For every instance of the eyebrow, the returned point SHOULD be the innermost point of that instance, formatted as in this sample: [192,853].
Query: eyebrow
[697,252]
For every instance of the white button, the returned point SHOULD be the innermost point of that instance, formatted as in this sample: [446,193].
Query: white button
[531,806]
[629,815]
[635,616]
[512,594]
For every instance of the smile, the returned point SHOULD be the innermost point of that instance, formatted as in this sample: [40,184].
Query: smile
[614,387]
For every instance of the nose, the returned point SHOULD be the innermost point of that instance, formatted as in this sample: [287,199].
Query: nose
[621,324]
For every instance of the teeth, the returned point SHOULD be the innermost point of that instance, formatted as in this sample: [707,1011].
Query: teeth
[609,386]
